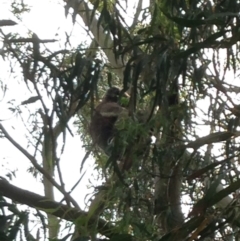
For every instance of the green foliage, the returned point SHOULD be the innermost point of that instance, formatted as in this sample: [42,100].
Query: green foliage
[180,130]
[18,8]
[14,223]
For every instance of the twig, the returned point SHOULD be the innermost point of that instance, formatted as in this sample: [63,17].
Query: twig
[37,166]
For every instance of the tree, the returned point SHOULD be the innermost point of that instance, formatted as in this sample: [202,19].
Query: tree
[178,62]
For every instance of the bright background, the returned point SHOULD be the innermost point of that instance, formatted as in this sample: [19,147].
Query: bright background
[47,19]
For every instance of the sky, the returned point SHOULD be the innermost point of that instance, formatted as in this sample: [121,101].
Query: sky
[46,19]
[40,20]
[47,27]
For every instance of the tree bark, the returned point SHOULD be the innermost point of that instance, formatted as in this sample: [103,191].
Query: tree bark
[51,207]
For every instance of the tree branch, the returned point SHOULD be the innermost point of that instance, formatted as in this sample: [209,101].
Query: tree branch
[5,22]
[136,15]
[37,166]
[103,40]
[51,207]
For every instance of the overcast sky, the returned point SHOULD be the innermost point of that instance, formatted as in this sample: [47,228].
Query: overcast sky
[46,25]
[46,19]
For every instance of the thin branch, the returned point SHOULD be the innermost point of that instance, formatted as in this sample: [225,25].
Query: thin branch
[29,40]
[37,166]
[103,40]
[4,22]
[136,16]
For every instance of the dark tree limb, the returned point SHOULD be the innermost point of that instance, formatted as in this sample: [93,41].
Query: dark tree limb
[51,207]
[4,22]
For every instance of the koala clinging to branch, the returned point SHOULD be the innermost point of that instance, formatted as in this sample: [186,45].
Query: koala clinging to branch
[102,126]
